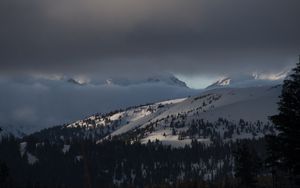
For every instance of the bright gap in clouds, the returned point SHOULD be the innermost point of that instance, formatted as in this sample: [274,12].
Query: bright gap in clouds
[197,82]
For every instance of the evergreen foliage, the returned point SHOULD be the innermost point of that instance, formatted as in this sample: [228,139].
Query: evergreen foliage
[286,153]
[119,163]
[247,165]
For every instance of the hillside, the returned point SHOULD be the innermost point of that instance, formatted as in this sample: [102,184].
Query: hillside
[219,112]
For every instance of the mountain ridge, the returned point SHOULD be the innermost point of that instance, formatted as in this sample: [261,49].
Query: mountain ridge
[168,79]
[248,80]
[171,121]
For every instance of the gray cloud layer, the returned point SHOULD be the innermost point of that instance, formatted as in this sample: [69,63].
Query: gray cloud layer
[40,103]
[137,36]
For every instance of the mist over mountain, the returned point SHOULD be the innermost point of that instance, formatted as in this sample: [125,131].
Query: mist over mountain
[35,103]
[165,79]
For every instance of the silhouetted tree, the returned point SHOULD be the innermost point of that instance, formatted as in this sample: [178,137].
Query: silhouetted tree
[4,175]
[247,165]
[272,161]
[287,123]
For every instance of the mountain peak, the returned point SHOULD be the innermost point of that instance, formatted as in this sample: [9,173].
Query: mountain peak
[109,82]
[248,80]
[220,83]
[78,80]
[73,81]
[170,80]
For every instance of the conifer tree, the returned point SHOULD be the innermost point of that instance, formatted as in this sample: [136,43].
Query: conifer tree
[246,165]
[287,122]
[3,174]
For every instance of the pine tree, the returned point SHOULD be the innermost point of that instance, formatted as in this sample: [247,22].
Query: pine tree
[4,175]
[246,165]
[287,122]
[271,161]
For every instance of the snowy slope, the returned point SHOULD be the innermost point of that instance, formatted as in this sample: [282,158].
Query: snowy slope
[166,120]
[251,104]
[220,83]
[122,121]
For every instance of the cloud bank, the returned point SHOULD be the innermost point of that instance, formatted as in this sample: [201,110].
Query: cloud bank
[35,104]
[138,36]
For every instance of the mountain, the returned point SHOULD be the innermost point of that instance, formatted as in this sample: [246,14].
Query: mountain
[231,113]
[160,79]
[76,82]
[170,141]
[249,80]
[173,118]
[221,82]
[167,79]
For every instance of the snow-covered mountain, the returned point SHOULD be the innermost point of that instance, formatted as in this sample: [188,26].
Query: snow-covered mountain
[249,80]
[220,83]
[167,79]
[162,79]
[76,82]
[229,113]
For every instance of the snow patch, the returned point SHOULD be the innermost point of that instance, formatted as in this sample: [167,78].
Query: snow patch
[23,146]
[66,149]
[31,158]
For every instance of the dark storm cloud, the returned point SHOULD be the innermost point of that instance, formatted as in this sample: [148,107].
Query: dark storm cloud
[113,36]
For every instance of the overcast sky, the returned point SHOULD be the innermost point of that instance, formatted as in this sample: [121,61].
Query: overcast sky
[131,37]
